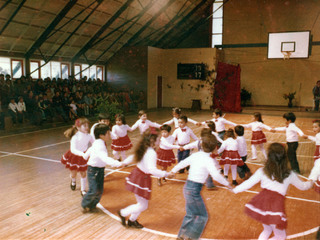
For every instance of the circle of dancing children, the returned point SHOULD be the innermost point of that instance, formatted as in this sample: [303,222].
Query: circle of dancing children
[176,113]
[230,156]
[102,118]
[258,137]
[139,180]
[201,166]
[165,154]
[73,159]
[182,136]
[122,143]
[98,159]
[268,207]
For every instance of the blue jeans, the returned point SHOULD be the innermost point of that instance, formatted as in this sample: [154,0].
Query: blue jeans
[183,155]
[196,218]
[96,180]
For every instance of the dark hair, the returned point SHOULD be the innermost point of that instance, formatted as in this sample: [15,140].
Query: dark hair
[165,127]
[102,116]
[239,130]
[176,110]
[209,143]
[184,118]
[218,111]
[277,163]
[121,117]
[229,133]
[211,125]
[147,139]
[317,122]
[141,112]
[74,129]
[205,132]
[290,117]
[258,116]
[100,129]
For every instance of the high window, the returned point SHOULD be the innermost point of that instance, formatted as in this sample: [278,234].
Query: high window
[217,23]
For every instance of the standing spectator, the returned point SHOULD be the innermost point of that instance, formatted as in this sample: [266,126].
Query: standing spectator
[21,110]
[2,123]
[58,106]
[316,96]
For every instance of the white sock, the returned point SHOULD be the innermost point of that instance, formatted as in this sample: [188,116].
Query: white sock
[83,184]
[234,172]
[226,169]
[123,155]
[254,151]
[263,151]
[265,234]
[116,154]
[73,181]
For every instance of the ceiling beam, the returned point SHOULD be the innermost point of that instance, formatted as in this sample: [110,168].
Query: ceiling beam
[194,27]
[52,25]
[12,16]
[90,43]
[5,4]
[137,34]
[178,25]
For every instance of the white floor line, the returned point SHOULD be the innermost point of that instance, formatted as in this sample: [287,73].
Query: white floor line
[27,156]
[48,129]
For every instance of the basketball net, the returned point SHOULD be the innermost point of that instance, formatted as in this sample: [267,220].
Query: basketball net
[286,55]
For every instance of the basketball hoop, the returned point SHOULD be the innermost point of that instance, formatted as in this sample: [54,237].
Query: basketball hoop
[286,54]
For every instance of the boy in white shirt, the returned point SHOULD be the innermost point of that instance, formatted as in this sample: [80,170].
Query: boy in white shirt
[292,132]
[143,123]
[182,136]
[98,160]
[243,171]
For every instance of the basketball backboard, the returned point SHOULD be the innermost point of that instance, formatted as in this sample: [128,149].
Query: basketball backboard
[294,44]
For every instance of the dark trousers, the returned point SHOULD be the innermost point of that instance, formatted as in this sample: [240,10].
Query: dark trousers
[183,155]
[2,121]
[316,104]
[242,170]
[96,180]
[292,156]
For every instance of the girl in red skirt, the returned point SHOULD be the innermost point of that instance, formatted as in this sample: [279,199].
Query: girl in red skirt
[165,155]
[268,206]
[123,142]
[73,159]
[258,137]
[139,181]
[230,155]
[316,139]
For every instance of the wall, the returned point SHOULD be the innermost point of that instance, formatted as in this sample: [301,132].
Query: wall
[250,21]
[163,62]
[128,69]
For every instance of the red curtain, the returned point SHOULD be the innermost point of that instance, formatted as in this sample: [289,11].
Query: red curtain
[227,88]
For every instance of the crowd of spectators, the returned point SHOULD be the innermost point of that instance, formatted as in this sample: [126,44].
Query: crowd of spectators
[35,101]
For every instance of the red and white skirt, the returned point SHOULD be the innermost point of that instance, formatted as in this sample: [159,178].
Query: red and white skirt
[317,153]
[139,183]
[165,157]
[268,208]
[74,162]
[258,137]
[121,144]
[231,157]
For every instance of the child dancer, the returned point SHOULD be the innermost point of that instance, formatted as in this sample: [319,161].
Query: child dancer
[220,122]
[268,206]
[139,181]
[316,139]
[243,171]
[197,144]
[105,119]
[201,165]
[143,123]
[73,159]
[122,143]
[230,155]
[212,126]
[258,137]
[182,136]
[292,132]
[165,155]
[98,160]
[176,113]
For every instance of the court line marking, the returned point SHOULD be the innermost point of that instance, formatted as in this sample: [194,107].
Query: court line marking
[28,156]
[42,130]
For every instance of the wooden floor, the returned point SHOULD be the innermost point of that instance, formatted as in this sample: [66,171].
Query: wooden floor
[37,203]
